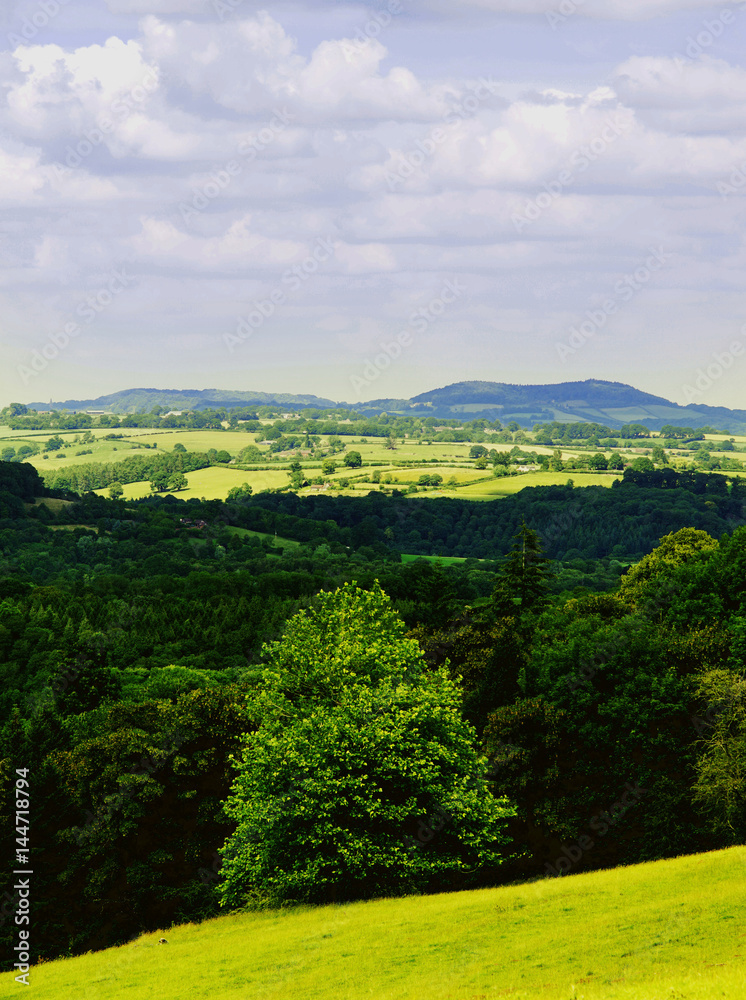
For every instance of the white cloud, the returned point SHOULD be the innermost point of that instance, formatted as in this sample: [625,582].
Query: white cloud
[252,66]
[683,95]
[61,90]
[21,176]
[242,247]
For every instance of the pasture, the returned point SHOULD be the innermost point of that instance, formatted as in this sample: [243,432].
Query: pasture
[212,484]
[508,485]
[666,930]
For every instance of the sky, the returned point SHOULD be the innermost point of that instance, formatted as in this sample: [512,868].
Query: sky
[371,200]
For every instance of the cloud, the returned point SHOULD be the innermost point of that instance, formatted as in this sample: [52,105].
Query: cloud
[251,66]
[52,93]
[20,175]
[678,94]
[241,247]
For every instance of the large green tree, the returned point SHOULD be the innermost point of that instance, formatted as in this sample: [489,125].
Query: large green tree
[362,779]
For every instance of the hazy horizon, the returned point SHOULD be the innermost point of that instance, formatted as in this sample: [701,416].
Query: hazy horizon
[369,200]
[276,392]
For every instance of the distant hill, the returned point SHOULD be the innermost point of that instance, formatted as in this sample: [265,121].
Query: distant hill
[609,403]
[142,400]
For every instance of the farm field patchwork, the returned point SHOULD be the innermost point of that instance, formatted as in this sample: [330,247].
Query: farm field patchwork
[667,930]
[448,459]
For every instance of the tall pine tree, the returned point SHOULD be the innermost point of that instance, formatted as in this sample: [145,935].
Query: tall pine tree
[523,580]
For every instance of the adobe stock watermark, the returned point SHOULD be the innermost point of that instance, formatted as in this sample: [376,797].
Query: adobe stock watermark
[562,12]
[419,321]
[561,525]
[605,654]
[120,110]
[580,160]
[428,828]
[720,364]
[710,31]
[355,46]
[411,161]
[88,310]
[704,725]
[148,764]
[600,824]
[46,11]
[221,178]
[225,7]
[292,280]
[735,183]
[624,290]
[34,704]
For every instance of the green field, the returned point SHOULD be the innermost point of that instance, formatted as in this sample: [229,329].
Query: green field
[670,930]
[507,485]
[277,541]
[404,475]
[212,484]
[231,441]
[445,560]
[409,450]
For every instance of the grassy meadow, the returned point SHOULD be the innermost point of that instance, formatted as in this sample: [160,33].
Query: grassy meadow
[668,930]
[212,484]
[492,488]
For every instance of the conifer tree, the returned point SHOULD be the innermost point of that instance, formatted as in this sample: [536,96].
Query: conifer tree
[524,578]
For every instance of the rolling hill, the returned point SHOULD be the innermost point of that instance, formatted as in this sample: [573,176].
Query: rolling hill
[594,400]
[610,403]
[142,400]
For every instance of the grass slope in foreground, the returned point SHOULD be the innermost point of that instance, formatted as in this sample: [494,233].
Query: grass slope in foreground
[669,930]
